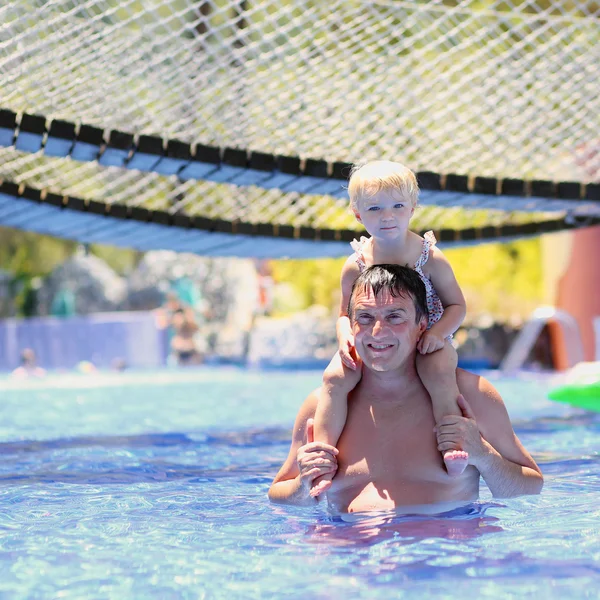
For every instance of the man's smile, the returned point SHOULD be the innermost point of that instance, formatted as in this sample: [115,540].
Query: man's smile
[379,346]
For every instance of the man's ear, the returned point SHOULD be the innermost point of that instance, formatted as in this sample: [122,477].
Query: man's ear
[422,326]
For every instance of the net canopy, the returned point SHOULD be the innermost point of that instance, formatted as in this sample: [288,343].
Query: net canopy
[250,111]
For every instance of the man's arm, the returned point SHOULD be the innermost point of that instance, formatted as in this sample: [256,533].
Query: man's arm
[486,433]
[306,460]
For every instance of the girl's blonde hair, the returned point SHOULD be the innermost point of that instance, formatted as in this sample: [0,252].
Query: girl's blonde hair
[382,175]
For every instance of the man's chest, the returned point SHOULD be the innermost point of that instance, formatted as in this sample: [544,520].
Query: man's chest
[389,446]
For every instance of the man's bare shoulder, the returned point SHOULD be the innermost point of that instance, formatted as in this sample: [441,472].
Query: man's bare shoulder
[484,399]
[477,389]
[492,418]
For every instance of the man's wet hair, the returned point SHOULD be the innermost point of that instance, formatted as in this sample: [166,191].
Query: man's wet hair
[398,281]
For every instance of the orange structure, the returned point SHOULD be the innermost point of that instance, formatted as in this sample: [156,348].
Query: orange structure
[573,270]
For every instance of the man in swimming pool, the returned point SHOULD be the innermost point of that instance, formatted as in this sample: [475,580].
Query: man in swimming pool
[388,456]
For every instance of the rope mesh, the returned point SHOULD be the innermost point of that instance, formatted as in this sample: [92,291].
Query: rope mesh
[223,201]
[496,88]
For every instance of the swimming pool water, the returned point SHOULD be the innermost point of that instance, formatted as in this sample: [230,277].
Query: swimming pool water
[154,486]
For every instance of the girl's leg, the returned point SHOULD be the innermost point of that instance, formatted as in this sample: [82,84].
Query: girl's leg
[438,374]
[330,417]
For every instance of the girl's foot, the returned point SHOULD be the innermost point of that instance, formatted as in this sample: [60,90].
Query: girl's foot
[322,485]
[456,462]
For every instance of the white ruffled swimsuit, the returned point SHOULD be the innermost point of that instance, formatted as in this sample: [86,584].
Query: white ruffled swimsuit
[434,304]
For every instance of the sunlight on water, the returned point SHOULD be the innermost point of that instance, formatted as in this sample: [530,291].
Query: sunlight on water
[154,486]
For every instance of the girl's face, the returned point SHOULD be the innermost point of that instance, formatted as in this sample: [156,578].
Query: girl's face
[385,215]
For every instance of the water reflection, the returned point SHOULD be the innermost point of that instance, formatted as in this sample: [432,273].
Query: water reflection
[465,523]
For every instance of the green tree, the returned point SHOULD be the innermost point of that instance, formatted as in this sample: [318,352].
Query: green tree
[501,280]
[27,256]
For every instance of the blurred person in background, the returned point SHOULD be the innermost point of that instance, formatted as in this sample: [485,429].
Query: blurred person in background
[184,345]
[265,287]
[63,303]
[118,364]
[29,367]
[164,318]
[166,312]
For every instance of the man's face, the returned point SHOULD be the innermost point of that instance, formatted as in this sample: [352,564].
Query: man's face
[385,331]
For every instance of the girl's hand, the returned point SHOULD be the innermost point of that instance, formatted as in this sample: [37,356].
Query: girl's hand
[430,342]
[347,352]
[315,459]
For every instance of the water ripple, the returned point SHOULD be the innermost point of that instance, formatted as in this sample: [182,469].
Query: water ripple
[122,496]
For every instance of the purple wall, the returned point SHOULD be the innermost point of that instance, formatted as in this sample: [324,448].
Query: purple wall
[61,343]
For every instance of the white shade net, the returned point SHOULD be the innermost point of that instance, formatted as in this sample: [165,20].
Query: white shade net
[500,89]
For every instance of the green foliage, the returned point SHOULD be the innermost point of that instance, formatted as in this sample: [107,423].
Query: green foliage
[122,260]
[26,257]
[504,280]
[313,281]
[25,254]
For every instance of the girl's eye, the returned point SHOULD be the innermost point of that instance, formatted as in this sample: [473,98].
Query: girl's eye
[398,205]
[373,208]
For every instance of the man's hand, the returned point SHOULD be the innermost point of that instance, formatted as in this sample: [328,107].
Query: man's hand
[347,352]
[315,458]
[461,432]
[430,342]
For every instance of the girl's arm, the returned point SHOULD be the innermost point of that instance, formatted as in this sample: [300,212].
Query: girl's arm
[343,328]
[447,288]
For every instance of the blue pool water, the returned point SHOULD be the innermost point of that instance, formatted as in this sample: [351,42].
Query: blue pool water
[154,486]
